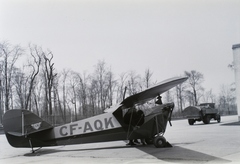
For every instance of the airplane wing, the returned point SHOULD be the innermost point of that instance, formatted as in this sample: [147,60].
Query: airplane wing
[152,92]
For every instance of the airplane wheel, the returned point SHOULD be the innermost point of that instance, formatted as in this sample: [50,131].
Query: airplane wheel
[159,141]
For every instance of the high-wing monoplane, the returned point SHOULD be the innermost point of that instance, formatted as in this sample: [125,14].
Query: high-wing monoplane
[121,122]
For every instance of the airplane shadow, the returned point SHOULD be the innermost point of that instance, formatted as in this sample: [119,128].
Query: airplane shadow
[174,154]
[179,154]
[232,124]
[43,151]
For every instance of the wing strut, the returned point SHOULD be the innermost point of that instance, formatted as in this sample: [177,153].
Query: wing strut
[129,126]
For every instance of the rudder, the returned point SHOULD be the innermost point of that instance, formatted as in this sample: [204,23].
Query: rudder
[20,124]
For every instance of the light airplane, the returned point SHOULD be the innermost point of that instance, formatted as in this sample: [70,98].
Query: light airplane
[121,122]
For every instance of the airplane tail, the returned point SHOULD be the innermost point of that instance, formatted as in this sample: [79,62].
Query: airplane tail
[21,127]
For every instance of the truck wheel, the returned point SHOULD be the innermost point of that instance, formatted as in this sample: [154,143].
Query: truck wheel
[159,141]
[206,119]
[218,118]
[191,121]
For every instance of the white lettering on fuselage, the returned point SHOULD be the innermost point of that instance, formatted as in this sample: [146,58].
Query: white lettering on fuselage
[93,124]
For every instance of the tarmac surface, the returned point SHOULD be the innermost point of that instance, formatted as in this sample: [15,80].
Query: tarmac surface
[200,143]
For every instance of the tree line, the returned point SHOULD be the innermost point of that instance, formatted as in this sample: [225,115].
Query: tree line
[66,96]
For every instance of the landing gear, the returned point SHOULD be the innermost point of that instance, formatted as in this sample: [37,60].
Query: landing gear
[35,150]
[159,141]
[30,143]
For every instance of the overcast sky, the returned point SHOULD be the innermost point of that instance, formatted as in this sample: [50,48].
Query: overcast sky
[167,36]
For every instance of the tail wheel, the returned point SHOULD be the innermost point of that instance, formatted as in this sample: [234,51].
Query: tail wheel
[159,141]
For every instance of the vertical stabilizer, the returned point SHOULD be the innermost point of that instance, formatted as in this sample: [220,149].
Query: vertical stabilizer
[20,124]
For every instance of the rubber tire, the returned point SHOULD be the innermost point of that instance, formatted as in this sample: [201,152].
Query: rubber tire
[191,121]
[159,142]
[218,118]
[206,119]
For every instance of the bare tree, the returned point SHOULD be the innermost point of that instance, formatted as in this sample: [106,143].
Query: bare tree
[20,87]
[122,85]
[194,81]
[82,92]
[180,89]
[1,92]
[134,83]
[38,96]
[36,54]
[209,96]
[147,77]
[73,94]
[93,96]
[168,96]
[57,102]
[227,99]
[65,74]
[104,78]
[10,55]
[100,77]
[111,84]
[49,76]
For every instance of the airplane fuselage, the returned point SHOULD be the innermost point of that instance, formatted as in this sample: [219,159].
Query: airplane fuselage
[98,123]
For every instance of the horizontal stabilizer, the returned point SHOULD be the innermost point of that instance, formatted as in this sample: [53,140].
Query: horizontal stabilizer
[16,134]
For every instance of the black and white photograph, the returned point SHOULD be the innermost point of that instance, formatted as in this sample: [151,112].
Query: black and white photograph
[119,81]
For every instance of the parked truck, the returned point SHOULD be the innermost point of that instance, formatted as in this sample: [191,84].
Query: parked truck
[203,112]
